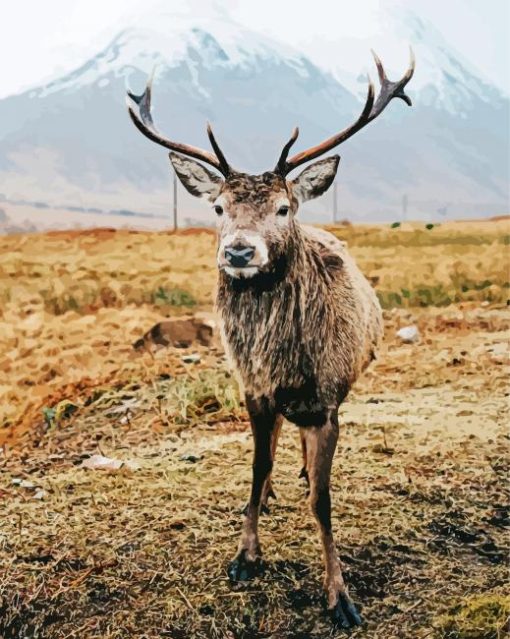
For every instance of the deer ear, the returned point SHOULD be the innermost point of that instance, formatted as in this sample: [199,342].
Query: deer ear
[195,178]
[315,179]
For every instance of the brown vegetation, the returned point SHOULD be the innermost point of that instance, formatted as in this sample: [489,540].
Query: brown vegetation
[420,480]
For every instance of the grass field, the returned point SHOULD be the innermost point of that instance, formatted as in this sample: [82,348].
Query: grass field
[420,486]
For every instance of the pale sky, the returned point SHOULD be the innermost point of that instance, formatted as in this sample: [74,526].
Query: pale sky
[41,40]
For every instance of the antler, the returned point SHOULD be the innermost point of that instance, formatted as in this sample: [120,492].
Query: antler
[280,167]
[139,107]
[371,110]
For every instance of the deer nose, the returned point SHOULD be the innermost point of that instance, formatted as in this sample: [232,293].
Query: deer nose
[239,255]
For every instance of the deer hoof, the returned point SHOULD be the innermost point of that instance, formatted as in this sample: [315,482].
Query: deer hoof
[242,569]
[344,614]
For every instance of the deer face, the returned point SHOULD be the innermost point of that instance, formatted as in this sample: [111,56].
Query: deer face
[254,218]
[254,213]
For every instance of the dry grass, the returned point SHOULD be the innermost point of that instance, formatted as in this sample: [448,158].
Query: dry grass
[73,302]
[478,617]
[420,481]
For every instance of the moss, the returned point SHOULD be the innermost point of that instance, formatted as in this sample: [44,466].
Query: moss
[481,617]
[457,290]
[172,297]
[87,300]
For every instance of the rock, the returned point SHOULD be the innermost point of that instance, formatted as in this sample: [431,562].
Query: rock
[100,462]
[191,358]
[23,483]
[409,334]
[179,332]
[192,459]
[499,352]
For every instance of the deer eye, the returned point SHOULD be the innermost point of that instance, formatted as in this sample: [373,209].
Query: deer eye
[283,210]
[218,209]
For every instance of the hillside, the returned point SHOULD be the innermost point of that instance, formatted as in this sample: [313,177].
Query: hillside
[70,142]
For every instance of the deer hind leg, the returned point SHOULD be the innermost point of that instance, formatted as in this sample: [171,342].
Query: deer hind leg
[264,421]
[320,448]
[303,474]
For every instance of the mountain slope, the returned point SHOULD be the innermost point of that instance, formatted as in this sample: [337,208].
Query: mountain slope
[71,141]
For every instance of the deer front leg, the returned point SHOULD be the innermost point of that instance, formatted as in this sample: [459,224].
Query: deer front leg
[264,420]
[268,491]
[320,448]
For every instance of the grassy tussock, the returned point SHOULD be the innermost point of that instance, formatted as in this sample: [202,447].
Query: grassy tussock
[478,617]
[207,397]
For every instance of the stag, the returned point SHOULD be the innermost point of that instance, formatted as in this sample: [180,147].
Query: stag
[298,319]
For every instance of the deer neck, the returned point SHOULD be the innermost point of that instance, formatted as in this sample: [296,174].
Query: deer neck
[264,323]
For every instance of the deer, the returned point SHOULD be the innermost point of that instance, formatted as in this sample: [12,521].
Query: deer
[298,320]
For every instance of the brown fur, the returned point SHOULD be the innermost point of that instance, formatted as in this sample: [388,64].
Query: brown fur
[317,322]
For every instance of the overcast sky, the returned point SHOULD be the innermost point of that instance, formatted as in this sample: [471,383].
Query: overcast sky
[42,39]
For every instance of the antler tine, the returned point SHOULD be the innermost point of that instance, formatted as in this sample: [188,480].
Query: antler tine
[226,169]
[335,140]
[380,68]
[282,161]
[144,101]
[390,89]
[373,107]
[412,65]
[139,107]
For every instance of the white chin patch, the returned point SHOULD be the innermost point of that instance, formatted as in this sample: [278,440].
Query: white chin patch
[246,272]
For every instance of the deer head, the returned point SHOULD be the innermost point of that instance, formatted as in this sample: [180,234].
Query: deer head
[255,213]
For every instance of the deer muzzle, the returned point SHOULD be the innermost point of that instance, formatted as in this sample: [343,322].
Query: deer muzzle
[242,255]
[239,256]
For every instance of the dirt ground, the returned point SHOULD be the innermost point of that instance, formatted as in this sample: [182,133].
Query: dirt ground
[420,492]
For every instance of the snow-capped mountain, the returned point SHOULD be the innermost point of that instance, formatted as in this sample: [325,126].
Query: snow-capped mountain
[71,142]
